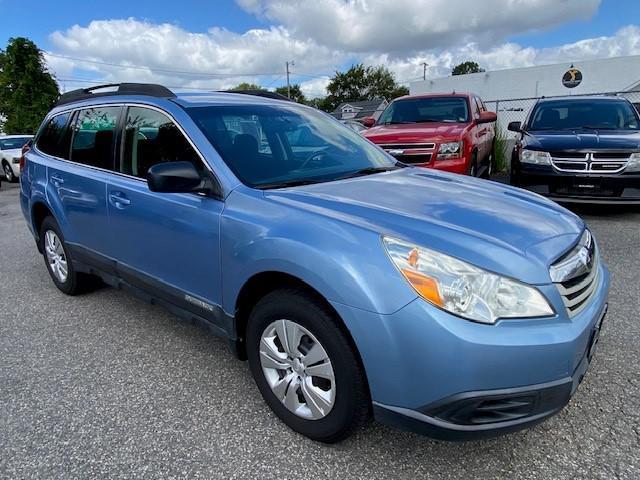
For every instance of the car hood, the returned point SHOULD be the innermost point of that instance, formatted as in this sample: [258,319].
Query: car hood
[584,140]
[415,132]
[497,227]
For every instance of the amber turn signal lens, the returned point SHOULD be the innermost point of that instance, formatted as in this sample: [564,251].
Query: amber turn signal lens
[425,286]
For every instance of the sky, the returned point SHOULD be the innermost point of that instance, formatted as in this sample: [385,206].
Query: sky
[197,44]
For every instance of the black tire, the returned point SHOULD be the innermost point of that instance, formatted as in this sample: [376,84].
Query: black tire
[489,170]
[75,282]
[351,407]
[473,166]
[8,172]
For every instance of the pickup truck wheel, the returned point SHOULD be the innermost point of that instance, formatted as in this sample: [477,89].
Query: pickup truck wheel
[304,366]
[59,262]
[473,166]
[8,172]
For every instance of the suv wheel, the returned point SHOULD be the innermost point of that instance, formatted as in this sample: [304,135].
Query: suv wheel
[8,172]
[473,166]
[59,262]
[304,366]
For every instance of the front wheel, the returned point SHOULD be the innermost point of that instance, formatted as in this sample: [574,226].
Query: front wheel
[305,367]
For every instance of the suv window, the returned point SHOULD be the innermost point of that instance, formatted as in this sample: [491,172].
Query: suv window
[93,137]
[55,139]
[150,137]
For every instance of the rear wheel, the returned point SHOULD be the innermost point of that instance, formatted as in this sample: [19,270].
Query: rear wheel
[59,262]
[8,172]
[304,366]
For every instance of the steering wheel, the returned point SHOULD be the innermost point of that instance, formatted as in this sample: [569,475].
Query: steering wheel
[314,156]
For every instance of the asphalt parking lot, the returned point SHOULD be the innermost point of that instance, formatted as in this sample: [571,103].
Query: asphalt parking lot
[105,385]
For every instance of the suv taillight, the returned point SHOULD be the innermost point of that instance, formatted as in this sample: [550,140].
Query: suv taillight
[25,149]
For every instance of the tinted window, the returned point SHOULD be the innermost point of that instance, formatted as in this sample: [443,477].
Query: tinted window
[13,143]
[580,114]
[270,145]
[55,139]
[94,135]
[150,138]
[430,109]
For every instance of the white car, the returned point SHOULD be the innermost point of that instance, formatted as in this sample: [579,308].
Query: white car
[10,152]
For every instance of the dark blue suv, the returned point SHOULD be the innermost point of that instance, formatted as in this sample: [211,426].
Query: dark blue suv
[354,284]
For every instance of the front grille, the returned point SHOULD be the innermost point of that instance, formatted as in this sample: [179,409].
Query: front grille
[590,162]
[576,274]
[414,158]
[407,146]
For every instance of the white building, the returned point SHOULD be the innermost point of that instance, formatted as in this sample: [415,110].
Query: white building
[570,78]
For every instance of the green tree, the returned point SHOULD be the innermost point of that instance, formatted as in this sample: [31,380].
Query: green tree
[467,67]
[27,89]
[247,86]
[363,83]
[296,93]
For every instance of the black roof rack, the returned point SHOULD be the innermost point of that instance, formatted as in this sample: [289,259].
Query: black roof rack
[149,89]
[260,93]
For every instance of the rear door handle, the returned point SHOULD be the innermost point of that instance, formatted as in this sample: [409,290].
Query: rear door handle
[56,180]
[119,200]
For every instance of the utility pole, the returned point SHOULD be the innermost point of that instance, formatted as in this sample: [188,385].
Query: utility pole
[424,70]
[289,64]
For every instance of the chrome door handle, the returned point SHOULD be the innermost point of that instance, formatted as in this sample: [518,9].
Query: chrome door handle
[56,180]
[119,200]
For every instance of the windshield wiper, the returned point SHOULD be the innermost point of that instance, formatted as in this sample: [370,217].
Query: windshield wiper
[594,127]
[287,183]
[396,123]
[371,170]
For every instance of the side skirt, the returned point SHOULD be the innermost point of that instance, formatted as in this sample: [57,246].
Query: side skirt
[153,291]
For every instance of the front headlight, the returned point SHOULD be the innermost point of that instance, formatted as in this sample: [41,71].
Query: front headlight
[450,150]
[534,157]
[634,163]
[463,289]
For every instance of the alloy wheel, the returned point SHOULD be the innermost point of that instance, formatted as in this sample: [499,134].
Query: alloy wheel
[8,173]
[56,256]
[298,369]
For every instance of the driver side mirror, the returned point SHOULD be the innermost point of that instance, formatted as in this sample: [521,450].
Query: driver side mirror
[487,117]
[177,177]
[368,122]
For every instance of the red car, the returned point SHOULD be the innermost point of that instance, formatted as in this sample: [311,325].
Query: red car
[452,132]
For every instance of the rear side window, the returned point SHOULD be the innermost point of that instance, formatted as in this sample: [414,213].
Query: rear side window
[55,139]
[150,137]
[93,139]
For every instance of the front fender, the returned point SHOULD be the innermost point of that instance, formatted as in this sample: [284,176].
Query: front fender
[345,263]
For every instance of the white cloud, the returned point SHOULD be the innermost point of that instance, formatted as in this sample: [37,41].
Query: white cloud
[216,59]
[166,50]
[402,26]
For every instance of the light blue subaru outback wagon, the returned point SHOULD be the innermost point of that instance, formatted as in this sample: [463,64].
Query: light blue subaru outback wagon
[355,285]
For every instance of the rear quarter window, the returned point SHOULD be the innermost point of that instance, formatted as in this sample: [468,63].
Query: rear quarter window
[55,139]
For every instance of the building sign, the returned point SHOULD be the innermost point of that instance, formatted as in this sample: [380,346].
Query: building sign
[572,78]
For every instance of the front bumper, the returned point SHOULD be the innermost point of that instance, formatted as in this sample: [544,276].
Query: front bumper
[436,374]
[579,188]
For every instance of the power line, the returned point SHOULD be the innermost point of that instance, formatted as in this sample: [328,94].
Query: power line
[166,70]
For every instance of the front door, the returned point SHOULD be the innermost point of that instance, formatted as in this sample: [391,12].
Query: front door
[165,243]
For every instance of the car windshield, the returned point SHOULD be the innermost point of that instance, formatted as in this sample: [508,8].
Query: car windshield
[271,146]
[584,114]
[13,143]
[430,109]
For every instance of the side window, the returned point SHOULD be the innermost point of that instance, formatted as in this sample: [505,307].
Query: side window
[150,137]
[93,138]
[55,138]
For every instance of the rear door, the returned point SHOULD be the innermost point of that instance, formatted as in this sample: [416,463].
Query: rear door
[165,243]
[76,186]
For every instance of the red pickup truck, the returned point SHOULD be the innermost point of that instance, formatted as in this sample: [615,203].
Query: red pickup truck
[452,132]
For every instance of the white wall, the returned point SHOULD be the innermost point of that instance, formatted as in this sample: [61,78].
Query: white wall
[598,76]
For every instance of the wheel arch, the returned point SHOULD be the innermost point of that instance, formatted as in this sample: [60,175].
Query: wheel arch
[39,211]
[261,284]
